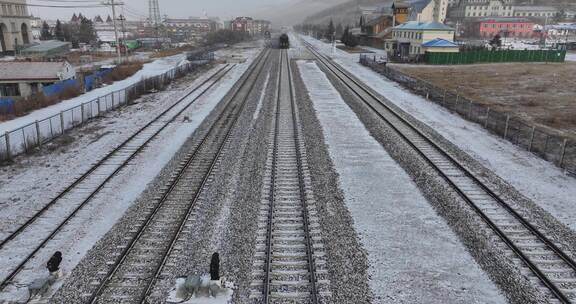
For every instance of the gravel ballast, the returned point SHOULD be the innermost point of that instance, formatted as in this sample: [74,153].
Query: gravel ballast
[347,260]
[488,251]
[78,282]
[413,254]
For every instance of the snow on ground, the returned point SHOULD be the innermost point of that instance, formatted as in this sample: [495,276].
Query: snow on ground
[536,178]
[571,56]
[261,100]
[414,256]
[223,296]
[109,205]
[151,69]
[142,56]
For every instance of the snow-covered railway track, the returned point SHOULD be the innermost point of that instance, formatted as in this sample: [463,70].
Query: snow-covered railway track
[24,242]
[289,265]
[133,271]
[549,268]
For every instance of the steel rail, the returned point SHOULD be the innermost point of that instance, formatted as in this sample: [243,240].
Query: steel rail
[284,60]
[305,216]
[346,78]
[268,262]
[158,271]
[6,281]
[125,252]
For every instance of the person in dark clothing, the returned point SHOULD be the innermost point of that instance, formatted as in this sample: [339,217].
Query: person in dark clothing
[53,264]
[215,267]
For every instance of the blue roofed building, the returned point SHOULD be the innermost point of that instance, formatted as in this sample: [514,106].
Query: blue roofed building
[409,39]
[440,45]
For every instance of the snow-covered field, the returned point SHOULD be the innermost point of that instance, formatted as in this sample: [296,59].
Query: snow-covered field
[42,176]
[414,256]
[537,179]
[151,69]
[571,56]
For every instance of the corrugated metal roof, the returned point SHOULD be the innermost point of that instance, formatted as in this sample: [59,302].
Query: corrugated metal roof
[46,46]
[429,25]
[31,70]
[439,42]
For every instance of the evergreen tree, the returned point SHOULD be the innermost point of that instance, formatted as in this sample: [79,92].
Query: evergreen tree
[339,30]
[348,39]
[45,33]
[496,42]
[86,32]
[330,31]
[345,35]
[70,32]
[59,31]
[560,15]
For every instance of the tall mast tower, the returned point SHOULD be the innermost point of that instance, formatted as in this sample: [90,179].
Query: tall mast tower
[154,11]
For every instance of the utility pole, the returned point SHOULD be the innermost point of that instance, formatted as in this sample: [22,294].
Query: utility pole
[545,32]
[113,5]
[122,19]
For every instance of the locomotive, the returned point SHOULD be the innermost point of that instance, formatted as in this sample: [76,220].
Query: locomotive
[284,41]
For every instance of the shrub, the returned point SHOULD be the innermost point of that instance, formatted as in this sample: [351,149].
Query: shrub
[39,101]
[122,72]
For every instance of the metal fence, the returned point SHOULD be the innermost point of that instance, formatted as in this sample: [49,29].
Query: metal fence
[485,56]
[552,147]
[25,139]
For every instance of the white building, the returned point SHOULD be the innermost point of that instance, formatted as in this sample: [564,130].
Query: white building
[428,10]
[484,8]
[535,11]
[14,25]
[500,8]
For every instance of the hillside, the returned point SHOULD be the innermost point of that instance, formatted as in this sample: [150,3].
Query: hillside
[344,13]
[295,12]
[347,12]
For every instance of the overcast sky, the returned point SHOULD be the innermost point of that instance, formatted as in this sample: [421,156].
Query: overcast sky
[173,8]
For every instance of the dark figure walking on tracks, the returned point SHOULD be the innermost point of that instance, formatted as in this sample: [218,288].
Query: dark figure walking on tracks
[215,267]
[53,264]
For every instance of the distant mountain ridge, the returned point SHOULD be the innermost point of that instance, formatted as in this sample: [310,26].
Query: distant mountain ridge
[295,12]
[345,13]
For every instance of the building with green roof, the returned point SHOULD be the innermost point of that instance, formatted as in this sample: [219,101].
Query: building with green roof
[408,39]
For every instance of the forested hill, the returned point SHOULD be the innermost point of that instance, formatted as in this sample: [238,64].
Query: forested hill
[344,13]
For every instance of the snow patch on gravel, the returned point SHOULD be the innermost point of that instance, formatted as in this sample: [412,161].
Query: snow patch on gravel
[262,95]
[534,177]
[414,256]
[109,206]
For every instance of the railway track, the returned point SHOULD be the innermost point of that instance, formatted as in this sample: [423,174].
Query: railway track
[138,264]
[549,268]
[24,243]
[290,265]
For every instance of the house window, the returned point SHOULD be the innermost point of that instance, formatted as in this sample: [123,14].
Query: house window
[9,89]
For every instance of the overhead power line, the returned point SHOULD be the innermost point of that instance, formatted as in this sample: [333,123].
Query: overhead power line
[55,6]
[68,1]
